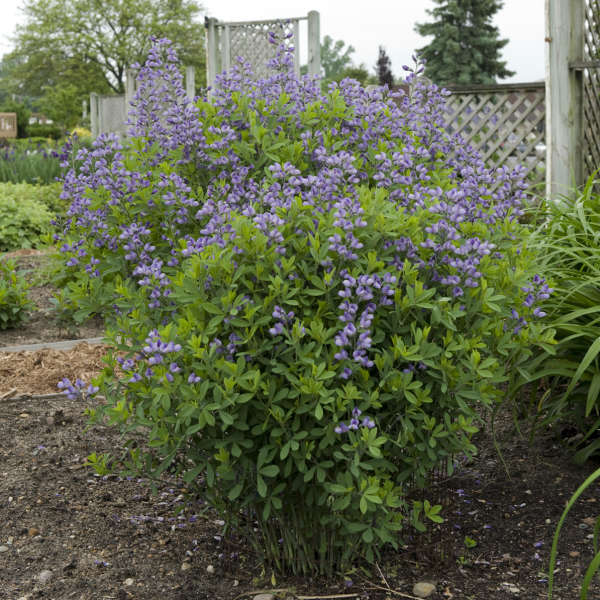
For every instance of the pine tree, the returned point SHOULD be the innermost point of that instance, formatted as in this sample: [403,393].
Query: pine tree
[466,46]
[384,68]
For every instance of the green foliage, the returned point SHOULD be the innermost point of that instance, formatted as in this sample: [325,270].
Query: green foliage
[46,130]
[466,47]
[594,565]
[335,57]
[47,195]
[28,162]
[14,303]
[23,220]
[23,115]
[569,243]
[66,49]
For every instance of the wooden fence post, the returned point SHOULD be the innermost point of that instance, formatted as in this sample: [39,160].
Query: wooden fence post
[314,43]
[190,82]
[211,51]
[564,93]
[94,115]
[129,88]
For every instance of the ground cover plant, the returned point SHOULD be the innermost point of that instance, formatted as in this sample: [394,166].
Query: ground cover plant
[315,294]
[14,303]
[24,220]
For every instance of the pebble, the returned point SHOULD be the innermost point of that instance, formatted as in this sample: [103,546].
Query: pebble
[210,569]
[45,576]
[129,581]
[264,597]
[4,548]
[33,531]
[186,566]
[421,589]
[574,554]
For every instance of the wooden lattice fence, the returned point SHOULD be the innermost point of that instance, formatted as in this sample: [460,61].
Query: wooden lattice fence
[505,123]
[591,87]
[250,40]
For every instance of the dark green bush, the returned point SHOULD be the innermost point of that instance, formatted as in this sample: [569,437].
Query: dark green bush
[45,130]
[14,303]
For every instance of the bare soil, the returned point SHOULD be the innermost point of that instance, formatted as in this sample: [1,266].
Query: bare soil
[67,533]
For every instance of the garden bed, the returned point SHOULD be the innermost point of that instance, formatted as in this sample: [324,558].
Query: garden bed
[43,324]
[70,534]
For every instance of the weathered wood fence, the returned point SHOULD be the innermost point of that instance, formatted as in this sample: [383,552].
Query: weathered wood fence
[250,40]
[108,114]
[573,93]
[505,123]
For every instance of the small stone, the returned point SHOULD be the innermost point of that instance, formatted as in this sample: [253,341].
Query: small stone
[120,502]
[33,531]
[574,554]
[4,548]
[49,421]
[186,566]
[210,569]
[24,415]
[128,581]
[45,576]
[264,597]
[422,589]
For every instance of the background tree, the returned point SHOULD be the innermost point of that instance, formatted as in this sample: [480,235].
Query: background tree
[465,48]
[383,68]
[334,57]
[66,49]
[337,64]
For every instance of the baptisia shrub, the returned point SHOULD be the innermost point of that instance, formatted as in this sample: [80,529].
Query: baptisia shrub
[316,293]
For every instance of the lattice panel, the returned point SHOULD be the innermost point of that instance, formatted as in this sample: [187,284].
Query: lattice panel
[591,89]
[506,125]
[250,41]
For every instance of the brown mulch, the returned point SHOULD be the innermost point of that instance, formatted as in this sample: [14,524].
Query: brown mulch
[68,533]
[40,371]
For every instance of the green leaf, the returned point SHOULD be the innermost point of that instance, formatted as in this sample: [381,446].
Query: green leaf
[235,491]
[261,487]
[270,471]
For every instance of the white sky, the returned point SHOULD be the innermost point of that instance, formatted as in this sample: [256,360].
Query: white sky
[366,24]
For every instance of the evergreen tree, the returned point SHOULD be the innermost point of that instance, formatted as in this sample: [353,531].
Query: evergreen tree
[466,46]
[384,68]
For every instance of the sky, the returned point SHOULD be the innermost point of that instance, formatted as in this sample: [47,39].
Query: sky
[368,24]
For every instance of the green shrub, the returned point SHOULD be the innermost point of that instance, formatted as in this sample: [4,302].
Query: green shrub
[317,295]
[44,131]
[569,245]
[14,303]
[48,195]
[23,220]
